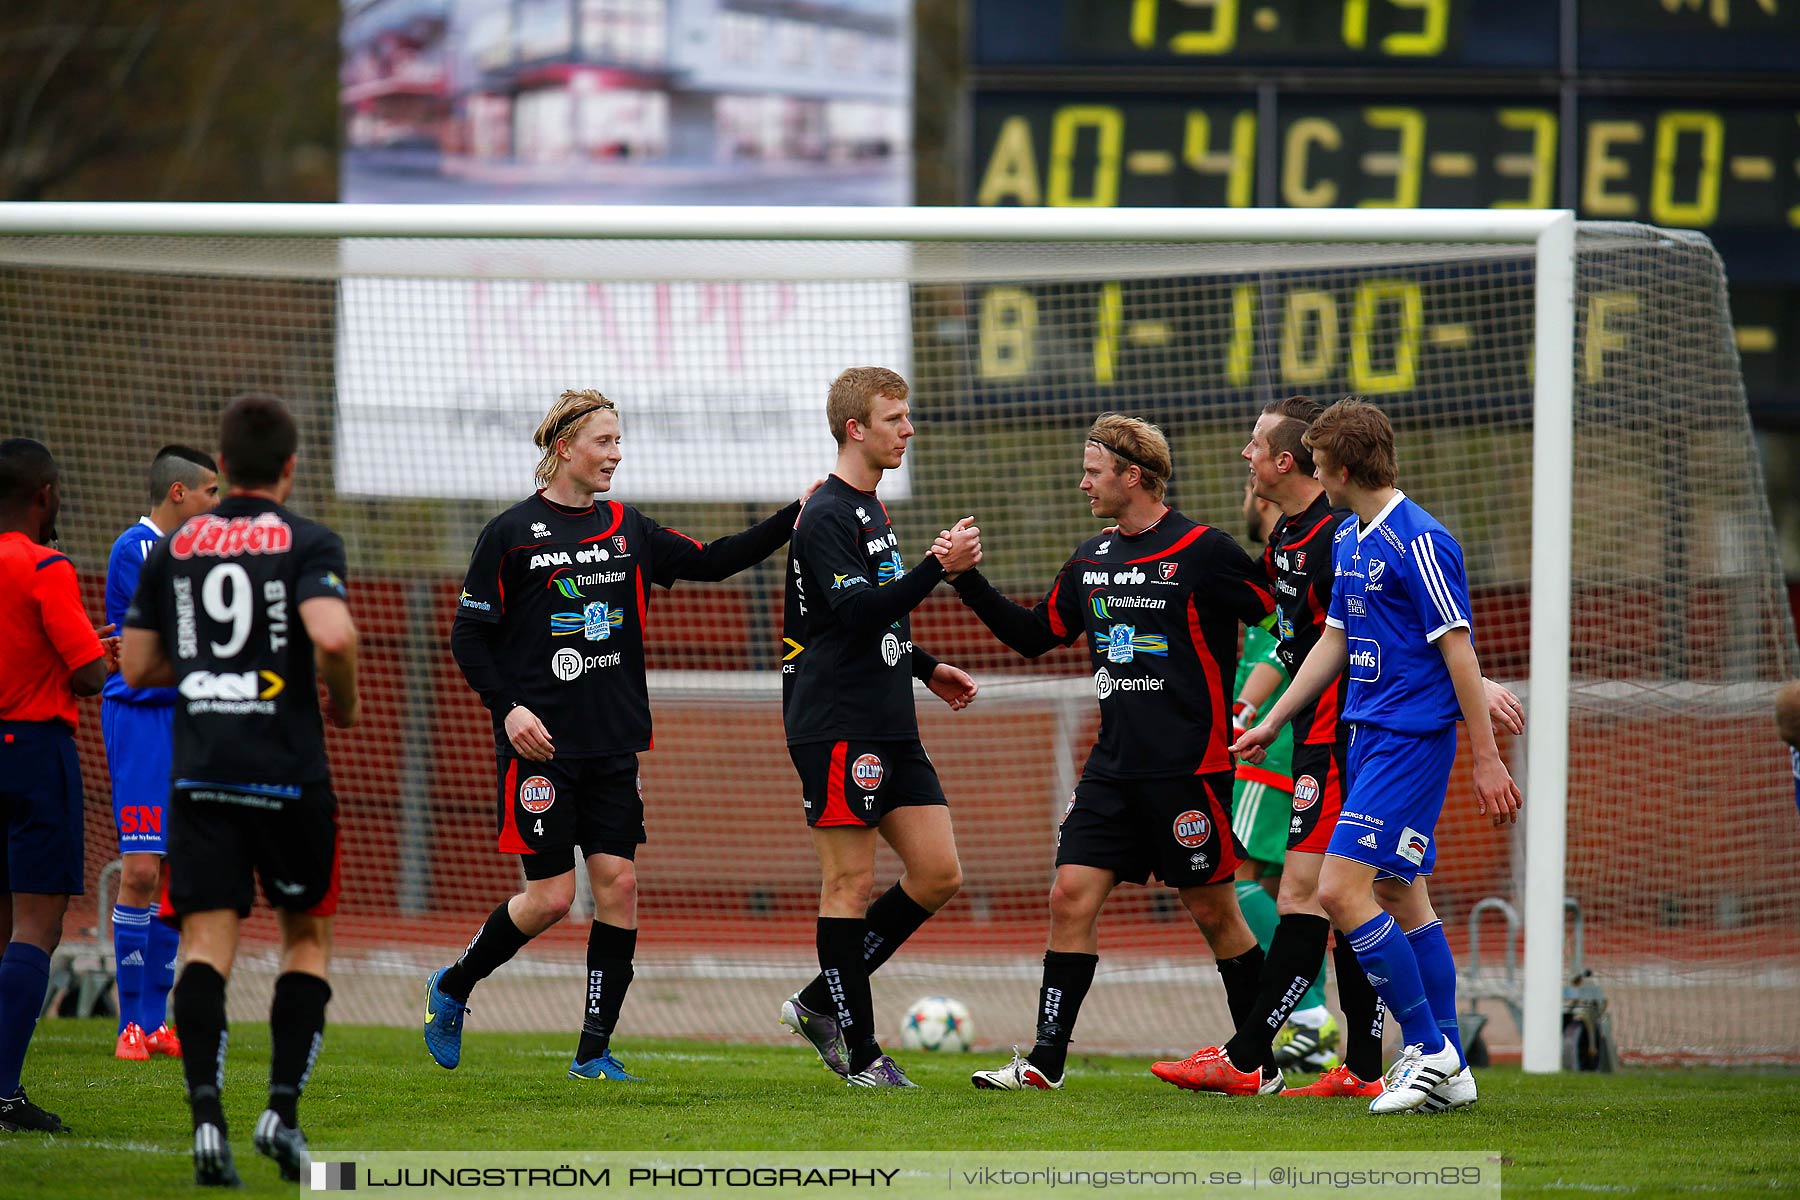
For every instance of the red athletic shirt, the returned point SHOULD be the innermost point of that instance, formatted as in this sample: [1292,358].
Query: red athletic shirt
[45,631]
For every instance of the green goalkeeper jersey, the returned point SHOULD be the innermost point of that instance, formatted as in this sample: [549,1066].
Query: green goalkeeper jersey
[1259,647]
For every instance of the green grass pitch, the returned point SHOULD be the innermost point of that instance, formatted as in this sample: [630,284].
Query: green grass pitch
[1638,1133]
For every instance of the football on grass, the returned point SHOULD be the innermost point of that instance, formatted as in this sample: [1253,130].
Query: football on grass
[937,1023]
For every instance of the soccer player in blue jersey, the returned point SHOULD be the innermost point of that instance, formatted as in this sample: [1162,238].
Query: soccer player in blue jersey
[1399,620]
[138,725]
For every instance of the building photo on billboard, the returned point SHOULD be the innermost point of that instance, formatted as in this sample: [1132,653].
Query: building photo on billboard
[627,101]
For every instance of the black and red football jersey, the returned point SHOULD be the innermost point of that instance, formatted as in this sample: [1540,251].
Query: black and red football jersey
[1298,562]
[224,593]
[568,591]
[1158,612]
[848,658]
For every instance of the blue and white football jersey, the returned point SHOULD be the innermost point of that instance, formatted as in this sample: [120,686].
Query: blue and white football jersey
[122,568]
[1399,587]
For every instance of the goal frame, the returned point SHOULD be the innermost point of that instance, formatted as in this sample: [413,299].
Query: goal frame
[1550,232]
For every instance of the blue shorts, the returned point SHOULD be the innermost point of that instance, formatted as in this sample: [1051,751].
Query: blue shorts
[40,809]
[1397,786]
[140,745]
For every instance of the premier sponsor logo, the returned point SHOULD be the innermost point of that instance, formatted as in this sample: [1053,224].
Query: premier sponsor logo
[570,664]
[1131,576]
[230,537]
[1105,684]
[880,545]
[1095,578]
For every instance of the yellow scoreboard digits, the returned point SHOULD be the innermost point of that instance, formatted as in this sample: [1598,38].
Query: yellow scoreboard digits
[1007,333]
[1701,211]
[1237,163]
[1217,36]
[1538,167]
[1403,162]
[1108,124]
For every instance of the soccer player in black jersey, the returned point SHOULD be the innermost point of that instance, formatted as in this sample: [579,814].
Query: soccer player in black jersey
[1298,564]
[847,700]
[550,631]
[243,611]
[1156,599]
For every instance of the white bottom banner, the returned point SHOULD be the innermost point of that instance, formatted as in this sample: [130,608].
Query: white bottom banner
[1393,1175]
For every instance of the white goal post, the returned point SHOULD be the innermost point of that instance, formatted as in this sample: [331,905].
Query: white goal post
[407,240]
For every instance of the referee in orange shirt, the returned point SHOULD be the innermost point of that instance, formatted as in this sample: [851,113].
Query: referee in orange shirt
[53,655]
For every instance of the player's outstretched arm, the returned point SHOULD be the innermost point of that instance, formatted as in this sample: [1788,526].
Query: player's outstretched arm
[1030,632]
[679,556]
[1497,797]
[1324,663]
[333,634]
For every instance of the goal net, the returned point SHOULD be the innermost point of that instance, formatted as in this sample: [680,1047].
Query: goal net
[419,366]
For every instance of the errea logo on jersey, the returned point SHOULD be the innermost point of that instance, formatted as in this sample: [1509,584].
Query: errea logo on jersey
[539,529]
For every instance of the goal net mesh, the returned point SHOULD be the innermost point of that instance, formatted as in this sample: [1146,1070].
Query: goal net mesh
[418,369]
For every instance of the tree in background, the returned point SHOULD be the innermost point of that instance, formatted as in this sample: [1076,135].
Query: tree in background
[168,99]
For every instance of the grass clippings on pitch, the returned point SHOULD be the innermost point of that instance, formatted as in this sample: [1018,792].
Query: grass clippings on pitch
[1637,1133]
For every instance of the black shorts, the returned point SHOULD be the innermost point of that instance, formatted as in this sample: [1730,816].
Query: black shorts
[545,809]
[1180,828]
[1319,784]
[40,809]
[856,784]
[223,837]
